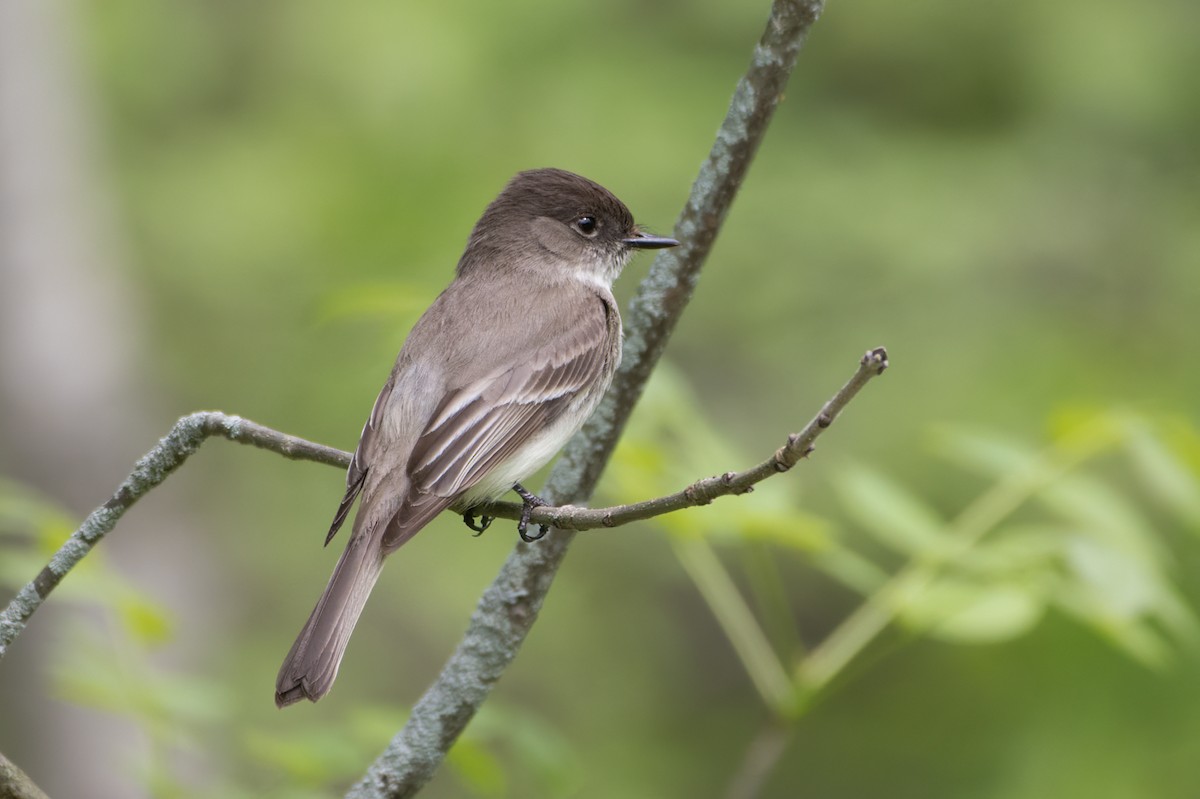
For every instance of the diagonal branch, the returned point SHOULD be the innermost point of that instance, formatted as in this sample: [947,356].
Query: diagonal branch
[15,784]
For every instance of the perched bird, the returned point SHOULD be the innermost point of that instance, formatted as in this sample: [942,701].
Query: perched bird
[503,368]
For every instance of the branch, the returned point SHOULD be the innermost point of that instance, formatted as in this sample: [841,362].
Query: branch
[168,455]
[15,784]
[191,431]
[509,607]
[702,492]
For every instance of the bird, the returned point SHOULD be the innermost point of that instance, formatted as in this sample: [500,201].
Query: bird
[503,368]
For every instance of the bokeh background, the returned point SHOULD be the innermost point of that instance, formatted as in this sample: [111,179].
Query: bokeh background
[244,206]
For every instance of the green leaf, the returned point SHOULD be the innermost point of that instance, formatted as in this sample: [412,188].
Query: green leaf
[370,724]
[477,767]
[792,529]
[1017,549]
[1129,602]
[147,621]
[985,453]
[1118,585]
[1163,472]
[22,507]
[312,755]
[972,612]
[890,512]
[850,569]
[536,745]
[1103,512]
[1133,635]
[1086,429]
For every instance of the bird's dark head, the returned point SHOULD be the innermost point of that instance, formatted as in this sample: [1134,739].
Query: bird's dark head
[559,223]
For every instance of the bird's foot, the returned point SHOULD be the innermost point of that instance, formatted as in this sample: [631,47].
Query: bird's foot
[484,522]
[530,501]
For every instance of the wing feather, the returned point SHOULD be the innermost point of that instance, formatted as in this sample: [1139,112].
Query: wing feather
[356,474]
[486,422]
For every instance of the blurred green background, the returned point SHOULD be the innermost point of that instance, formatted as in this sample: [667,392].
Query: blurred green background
[1005,195]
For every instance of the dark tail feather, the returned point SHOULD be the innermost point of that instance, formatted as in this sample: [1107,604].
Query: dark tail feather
[310,667]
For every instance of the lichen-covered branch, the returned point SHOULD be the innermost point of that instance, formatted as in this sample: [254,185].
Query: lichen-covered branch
[15,784]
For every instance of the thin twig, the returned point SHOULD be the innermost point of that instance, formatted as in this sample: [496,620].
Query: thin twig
[168,455]
[702,492]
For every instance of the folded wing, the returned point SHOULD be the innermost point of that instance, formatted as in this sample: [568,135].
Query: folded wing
[487,422]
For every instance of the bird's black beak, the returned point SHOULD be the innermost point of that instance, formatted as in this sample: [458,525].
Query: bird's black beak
[644,242]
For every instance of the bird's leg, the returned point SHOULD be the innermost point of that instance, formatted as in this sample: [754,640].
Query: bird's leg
[484,522]
[530,501]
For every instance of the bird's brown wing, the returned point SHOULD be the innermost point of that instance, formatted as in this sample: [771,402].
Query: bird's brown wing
[359,464]
[486,422]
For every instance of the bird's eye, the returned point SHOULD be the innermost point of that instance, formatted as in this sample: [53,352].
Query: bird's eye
[586,225]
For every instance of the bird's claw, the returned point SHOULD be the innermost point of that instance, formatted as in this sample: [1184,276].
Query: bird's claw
[529,502]
[484,522]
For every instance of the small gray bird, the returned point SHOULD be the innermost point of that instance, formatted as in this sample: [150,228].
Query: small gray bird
[503,368]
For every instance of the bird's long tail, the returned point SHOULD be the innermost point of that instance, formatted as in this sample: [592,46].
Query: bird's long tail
[310,667]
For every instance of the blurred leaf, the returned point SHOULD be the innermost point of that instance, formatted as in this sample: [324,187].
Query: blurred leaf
[537,745]
[737,621]
[1076,438]
[147,621]
[1093,428]
[983,452]
[187,700]
[312,755]
[18,568]
[1133,635]
[1016,549]
[1164,473]
[1102,511]
[23,508]
[478,768]
[554,763]
[1178,618]
[1128,601]
[850,569]
[103,680]
[318,755]
[892,513]
[1120,586]
[370,724]
[793,529]
[731,519]
[970,612]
